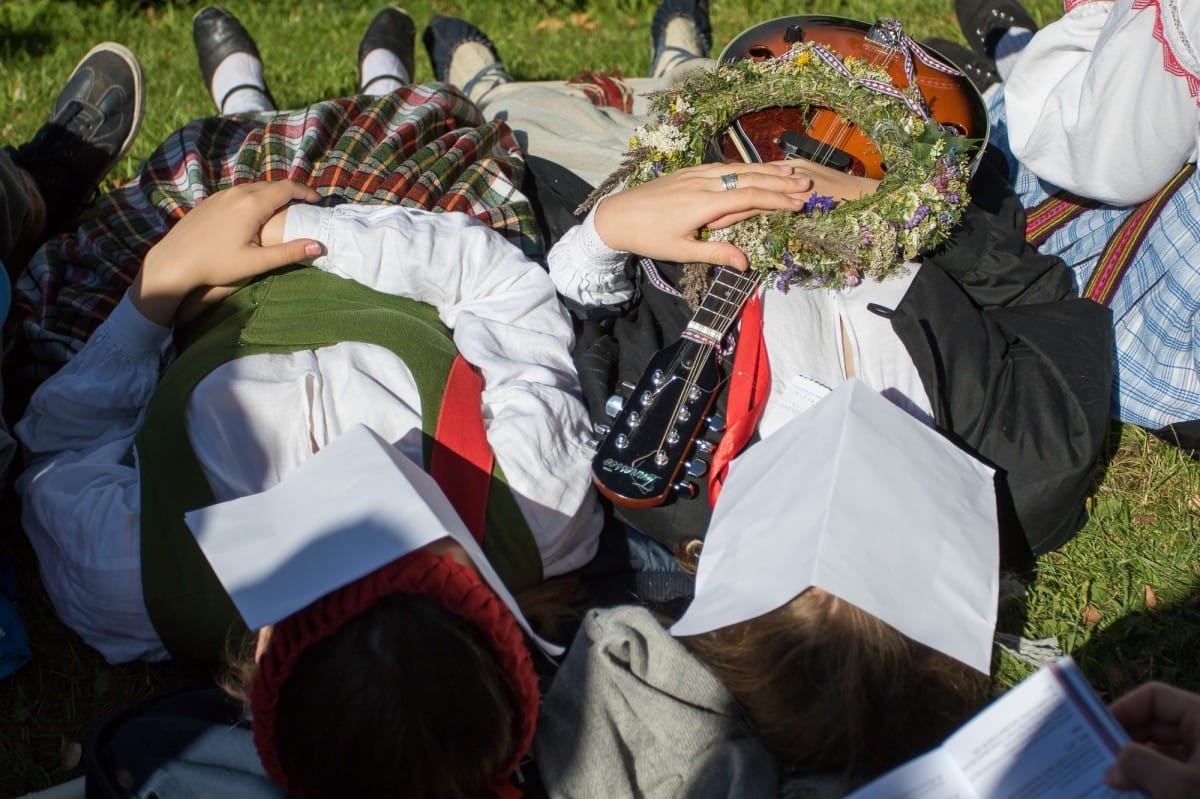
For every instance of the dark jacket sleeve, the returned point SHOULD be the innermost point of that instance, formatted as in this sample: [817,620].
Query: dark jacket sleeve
[1019,369]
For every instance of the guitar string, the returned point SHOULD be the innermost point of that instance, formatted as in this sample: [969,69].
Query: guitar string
[731,304]
[825,150]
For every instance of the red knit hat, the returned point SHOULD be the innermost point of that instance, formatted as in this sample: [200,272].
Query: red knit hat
[458,588]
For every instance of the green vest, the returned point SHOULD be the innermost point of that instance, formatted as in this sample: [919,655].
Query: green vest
[296,309]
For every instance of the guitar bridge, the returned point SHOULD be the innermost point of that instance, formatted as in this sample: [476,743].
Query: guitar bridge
[800,145]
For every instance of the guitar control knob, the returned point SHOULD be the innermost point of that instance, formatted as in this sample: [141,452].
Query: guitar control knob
[696,467]
[660,458]
[646,399]
[684,414]
[685,489]
[704,446]
[622,441]
[634,418]
[672,436]
[715,424]
[659,377]
[613,405]
[693,394]
[793,34]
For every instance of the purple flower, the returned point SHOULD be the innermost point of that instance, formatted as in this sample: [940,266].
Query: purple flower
[922,212]
[818,202]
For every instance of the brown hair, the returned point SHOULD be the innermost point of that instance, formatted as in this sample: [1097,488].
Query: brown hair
[406,697]
[831,688]
[405,694]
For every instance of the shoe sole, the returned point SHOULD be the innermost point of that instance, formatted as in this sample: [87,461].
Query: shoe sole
[139,89]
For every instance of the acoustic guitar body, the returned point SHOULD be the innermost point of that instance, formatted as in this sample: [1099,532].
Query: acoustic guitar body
[822,135]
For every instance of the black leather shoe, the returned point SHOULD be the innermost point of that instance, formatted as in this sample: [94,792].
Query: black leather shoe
[391,30]
[695,10]
[983,22]
[979,70]
[92,125]
[218,35]
[443,36]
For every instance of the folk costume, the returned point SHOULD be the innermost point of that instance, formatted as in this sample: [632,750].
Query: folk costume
[1099,120]
[364,336]
[984,338]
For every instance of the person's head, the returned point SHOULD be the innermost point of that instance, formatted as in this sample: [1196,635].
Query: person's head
[831,688]
[414,680]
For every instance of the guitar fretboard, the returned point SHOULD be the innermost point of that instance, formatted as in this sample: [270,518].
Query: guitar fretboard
[728,293]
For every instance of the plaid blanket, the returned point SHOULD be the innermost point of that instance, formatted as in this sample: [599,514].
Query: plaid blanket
[423,146]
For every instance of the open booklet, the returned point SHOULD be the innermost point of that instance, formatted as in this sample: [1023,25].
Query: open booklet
[1050,736]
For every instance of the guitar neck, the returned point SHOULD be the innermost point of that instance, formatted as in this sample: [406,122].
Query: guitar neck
[728,293]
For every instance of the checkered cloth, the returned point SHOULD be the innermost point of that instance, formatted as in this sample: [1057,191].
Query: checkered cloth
[423,146]
[1156,307]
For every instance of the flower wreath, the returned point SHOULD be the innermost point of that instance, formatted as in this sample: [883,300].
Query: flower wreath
[919,200]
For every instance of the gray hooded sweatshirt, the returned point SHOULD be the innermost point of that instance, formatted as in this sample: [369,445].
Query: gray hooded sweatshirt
[632,714]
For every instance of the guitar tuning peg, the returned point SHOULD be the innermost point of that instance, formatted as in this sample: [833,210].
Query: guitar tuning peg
[705,446]
[627,387]
[685,490]
[696,467]
[601,430]
[716,424]
[613,405]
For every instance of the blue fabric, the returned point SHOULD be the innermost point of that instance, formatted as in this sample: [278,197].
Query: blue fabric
[1155,308]
[188,745]
[14,640]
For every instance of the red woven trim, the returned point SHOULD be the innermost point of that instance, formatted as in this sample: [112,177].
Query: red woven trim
[1170,62]
[605,90]
[459,588]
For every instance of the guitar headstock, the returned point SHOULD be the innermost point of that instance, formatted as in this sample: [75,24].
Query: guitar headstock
[639,462]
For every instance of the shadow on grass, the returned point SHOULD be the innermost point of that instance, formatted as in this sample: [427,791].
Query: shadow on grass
[1153,644]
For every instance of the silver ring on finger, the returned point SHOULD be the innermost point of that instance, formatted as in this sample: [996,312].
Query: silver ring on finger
[729,181]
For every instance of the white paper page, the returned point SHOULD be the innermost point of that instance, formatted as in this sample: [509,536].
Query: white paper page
[1040,739]
[933,775]
[349,509]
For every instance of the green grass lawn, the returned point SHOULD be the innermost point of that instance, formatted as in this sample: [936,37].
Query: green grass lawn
[1123,596]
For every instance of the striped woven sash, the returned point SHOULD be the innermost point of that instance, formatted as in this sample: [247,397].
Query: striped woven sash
[1057,210]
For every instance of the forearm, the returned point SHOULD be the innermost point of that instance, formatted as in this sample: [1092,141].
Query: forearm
[98,397]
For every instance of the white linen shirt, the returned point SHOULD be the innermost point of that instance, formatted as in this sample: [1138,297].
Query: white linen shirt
[1101,102]
[803,329]
[253,420]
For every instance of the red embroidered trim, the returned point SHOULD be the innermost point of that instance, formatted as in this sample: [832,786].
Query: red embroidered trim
[1170,63]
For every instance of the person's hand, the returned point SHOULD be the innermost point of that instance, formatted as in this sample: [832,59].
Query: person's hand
[662,218]
[829,182]
[220,244]
[1164,758]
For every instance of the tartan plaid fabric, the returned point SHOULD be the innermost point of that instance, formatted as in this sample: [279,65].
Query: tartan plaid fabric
[1156,306]
[423,146]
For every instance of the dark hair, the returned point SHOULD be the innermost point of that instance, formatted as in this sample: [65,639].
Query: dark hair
[829,688]
[406,699]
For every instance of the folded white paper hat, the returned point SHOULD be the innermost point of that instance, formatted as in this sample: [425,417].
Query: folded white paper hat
[860,499]
[354,506]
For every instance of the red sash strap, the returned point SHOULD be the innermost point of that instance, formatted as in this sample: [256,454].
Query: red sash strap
[605,89]
[748,389]
[1043,219]
[1123,245]
[1052,213]
[461,461]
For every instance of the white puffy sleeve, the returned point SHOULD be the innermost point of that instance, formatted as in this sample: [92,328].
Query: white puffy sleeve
[1102,102]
